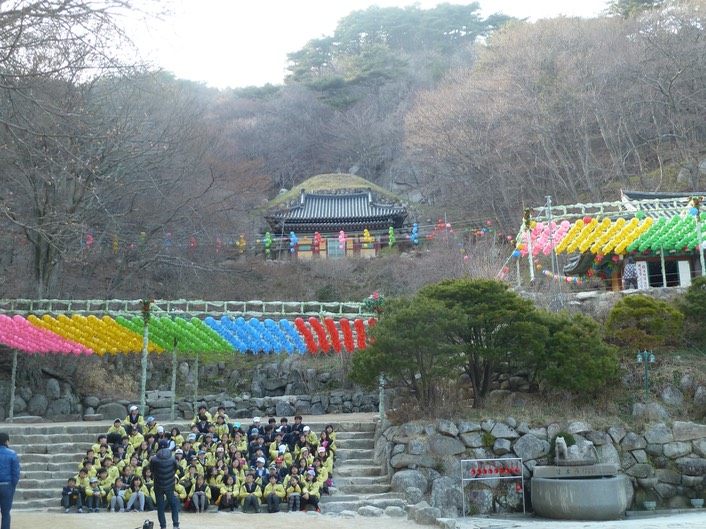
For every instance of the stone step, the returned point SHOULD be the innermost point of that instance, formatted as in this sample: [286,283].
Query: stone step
[36,439]
[55,464]
[51,483]
[355,444]
[340,436]
[346,454]
[34,474]
[22,493]
[62,457]
[363,461]
[377,488]
[349,470]
[35,504]
[344,482]
[354,505]
[55,448]
[339,497]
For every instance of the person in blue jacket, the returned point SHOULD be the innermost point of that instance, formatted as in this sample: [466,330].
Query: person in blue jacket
[9,477]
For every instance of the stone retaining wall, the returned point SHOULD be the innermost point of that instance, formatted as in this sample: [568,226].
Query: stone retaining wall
[666,463]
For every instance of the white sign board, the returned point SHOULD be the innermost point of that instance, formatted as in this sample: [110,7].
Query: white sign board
[643,277]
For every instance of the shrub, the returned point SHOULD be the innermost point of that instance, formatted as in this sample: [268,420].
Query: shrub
[642,322]
[694,309]
[575,358]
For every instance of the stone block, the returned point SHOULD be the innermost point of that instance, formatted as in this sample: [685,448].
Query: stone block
[427,516]
[112,411]
[393,511]
[529,447]
[370,511]
[676,449]
[447,428]
[404,479]
[445,446]
[688,431]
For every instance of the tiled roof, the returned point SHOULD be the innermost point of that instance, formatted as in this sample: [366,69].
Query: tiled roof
[323,208]
[656,204]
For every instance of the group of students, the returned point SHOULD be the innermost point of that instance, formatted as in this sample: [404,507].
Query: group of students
[221,465]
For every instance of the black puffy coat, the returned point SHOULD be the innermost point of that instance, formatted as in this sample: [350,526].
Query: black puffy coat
[164,467]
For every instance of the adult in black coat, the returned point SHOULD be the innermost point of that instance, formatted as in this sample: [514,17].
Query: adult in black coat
[164,467]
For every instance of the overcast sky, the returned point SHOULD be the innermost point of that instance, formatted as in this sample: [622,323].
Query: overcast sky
[234,43]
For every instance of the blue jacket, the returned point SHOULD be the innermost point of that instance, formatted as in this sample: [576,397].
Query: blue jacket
[9,466]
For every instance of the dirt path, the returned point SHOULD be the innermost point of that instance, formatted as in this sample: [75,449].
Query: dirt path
[131,520]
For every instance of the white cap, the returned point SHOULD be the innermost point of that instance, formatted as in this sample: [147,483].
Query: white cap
[256,419]
[133,408]
[261,460]
[160,428]
[307,429]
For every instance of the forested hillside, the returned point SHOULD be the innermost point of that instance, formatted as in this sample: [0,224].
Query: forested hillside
[119,181]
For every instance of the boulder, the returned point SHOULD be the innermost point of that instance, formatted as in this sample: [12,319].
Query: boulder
[58,408]
[370,511]
[53,389]
[37,405]
[659,433]
[481,501]
[503,430]
[446,496]
[417,447]
[112,411]
[700,396]
[446,523]
[409,430]
[676,449]
[20,405]
[632,441]
[688,431]
[465,427]
[413,495]
[427,515]
[472,439]
[692,466]
[578,427]
[672,395]
[91,402]
[502,446]
[447,428]
[445,446]
[409,478]
[529,447]
[394,511]
[284,409]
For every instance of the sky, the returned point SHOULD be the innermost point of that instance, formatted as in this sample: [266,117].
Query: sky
[236,43]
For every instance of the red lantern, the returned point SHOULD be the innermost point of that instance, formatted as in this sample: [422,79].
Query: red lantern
[333,334]
[320,334]
[347,334]
[306,333]
[360,331]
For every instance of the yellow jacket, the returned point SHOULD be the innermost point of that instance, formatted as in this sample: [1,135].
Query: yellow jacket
[180,491]
[205,489]
[313,488]
[143,490]
[251,489]
[277,489]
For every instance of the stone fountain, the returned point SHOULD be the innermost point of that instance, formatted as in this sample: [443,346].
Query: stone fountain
[577,487]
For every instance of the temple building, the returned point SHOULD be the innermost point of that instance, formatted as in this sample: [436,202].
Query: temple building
[333,216]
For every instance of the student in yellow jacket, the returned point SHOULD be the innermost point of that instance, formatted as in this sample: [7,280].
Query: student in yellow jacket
[294,494]
[94,496]
[312,491]
[116,496]
[229,494]
[136,495]
[250,493]
[200,495]
[83,482]
[180,491]
[112,470]
[273,494]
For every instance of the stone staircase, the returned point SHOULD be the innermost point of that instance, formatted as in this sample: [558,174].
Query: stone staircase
[51,452]
[359,479]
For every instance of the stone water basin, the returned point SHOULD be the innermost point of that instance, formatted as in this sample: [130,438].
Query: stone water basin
[582,492]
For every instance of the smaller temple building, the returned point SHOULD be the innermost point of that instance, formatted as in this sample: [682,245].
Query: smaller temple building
[333,216]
